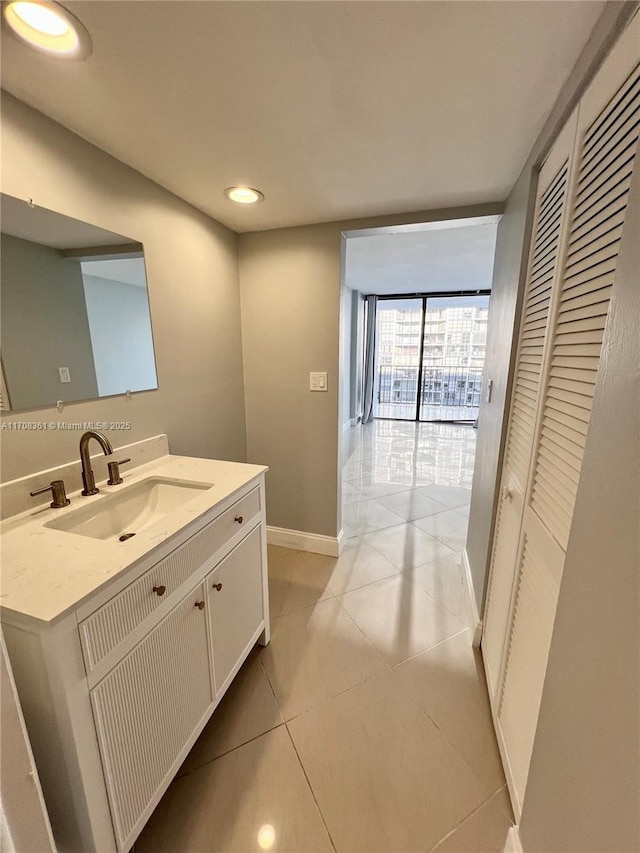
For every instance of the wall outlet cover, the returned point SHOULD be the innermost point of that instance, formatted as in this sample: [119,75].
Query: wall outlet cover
[63,373]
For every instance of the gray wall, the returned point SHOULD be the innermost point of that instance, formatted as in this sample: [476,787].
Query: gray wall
[193,292]
[290,285]
[121,336]
[512,247]
[503,306]
[44,326]
[583,792]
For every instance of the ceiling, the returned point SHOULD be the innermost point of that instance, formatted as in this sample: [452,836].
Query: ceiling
[425,261]
[334,110]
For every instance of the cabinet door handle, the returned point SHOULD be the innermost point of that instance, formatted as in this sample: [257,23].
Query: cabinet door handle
[217,586]
[160,590]
[200,605]
[239,519]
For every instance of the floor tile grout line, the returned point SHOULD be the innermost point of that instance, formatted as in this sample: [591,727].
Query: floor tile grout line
[338,595]
[313,793]
[360,536]
[368,583]
[404,524]
[351,619]
[273,692]
[469,816]
[408,489]
[439,603]
[339,694]
[430,648]
[249,740]
[328,597]
[229,751]
[444,737]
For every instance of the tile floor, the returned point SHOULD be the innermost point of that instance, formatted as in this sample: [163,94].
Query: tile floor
[365,724]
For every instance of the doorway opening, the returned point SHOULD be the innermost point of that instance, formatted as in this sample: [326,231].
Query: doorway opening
[413,328]
[428,356]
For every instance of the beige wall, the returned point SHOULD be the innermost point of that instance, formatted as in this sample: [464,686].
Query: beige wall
[583,792]
[193,291]
[44,326]
[290,285]
[508,280]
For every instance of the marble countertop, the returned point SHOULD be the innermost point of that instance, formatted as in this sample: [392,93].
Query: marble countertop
[47,572]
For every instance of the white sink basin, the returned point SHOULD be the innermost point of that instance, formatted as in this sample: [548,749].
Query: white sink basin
[130,510]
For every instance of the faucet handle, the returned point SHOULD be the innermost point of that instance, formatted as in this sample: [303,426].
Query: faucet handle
[114,472]
[56,487]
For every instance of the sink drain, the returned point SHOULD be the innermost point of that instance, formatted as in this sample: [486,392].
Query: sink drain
[125,536]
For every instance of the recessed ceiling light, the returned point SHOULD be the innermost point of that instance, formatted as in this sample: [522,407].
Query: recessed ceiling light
[244,195]
[47,27]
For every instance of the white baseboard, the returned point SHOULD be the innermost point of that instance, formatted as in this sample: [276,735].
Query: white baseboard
[512,844]
[301,541]
[473,616]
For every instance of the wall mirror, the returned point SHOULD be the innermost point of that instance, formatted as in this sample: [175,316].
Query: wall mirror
[74,310]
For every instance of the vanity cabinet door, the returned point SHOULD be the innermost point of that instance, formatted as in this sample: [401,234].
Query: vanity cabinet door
[236,607]
[147,708]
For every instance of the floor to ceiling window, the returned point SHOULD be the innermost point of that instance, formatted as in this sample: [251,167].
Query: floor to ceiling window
[429,357]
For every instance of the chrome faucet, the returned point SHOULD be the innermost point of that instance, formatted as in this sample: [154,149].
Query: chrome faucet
[88,478]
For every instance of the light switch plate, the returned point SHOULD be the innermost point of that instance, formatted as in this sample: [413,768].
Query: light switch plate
[63,373]
[317,382]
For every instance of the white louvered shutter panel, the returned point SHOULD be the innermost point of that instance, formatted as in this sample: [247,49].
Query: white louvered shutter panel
[526,661]
[534,328]
[607,158]
[542,273]
[501,577]
[606,146]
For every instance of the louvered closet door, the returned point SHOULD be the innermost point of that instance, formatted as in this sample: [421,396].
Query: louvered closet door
[542,275]
[606,146]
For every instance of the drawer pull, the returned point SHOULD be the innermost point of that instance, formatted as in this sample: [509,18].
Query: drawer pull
[239,519]
[200,605]
[217,586]
[159,590]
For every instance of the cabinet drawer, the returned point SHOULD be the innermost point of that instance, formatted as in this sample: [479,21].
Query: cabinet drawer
[147,708]
[112,623]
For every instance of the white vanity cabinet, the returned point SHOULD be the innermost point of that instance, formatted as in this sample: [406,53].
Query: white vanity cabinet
[235,606]
[116,692]
[147,707]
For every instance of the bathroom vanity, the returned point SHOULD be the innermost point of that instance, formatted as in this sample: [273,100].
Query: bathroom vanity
[122,646]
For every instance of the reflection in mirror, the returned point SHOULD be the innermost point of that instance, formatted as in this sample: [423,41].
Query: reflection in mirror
[74,310]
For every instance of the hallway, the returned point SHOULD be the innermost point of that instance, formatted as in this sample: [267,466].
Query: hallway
[365,724]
